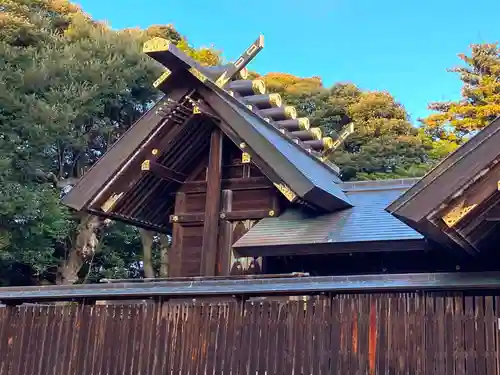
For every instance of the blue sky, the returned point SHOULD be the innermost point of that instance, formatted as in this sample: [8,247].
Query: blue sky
[402,47]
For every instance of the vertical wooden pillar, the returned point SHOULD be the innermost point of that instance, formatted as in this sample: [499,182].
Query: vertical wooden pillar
[175,256]
[225,237]
[212,206]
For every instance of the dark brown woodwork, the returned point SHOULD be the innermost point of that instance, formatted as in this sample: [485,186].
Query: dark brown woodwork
[334,248]
[112,162]
[176,252]
[279,113]
[186,218]
[304,135]
[212,206]
[294,124]
[263,101]
[165,173]
[493,214]
[250,183]
[225,242]
[247,87]
[147,199]
[456,171]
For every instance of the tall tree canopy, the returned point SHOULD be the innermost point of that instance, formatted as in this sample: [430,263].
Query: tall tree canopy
[69,87]
[480,103]
[384,144]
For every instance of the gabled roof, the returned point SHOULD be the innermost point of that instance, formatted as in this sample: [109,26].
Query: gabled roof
[363,228]
[453,194]
[120,185]
[276,155]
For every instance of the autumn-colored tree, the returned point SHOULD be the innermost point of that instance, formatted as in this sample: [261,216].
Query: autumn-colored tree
[384,144]
[480,102]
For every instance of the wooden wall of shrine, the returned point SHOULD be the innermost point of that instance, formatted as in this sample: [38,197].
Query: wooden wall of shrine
[221,200]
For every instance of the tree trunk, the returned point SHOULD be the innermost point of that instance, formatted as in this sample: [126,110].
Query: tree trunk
[147,250]
[84,248]
[164,246]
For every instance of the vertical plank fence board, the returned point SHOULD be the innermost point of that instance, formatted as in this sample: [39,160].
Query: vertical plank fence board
[491,366]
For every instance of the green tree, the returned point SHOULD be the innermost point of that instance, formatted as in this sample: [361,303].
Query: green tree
[69,87]
[384,144]
[480,102]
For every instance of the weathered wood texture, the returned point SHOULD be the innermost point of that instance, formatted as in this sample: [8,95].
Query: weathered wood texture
[205,227]
[345,334]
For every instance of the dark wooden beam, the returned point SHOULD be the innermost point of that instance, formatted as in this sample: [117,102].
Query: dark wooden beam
[187,218]
[175,254]
[212,205]
[225,236]
[332,248]
[450,175]
[96,180]
[493,214]
[251,183]
[162,171]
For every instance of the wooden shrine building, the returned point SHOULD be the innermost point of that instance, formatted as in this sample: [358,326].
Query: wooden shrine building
[244,186]
[375,277]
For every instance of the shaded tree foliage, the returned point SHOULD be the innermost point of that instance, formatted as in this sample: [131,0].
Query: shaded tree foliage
[69,87]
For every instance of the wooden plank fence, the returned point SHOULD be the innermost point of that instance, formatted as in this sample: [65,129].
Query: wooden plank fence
[404,333]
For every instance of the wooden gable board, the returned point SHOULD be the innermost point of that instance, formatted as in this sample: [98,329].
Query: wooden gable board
[442,184]
[454,172]
[306,176]
[116,157]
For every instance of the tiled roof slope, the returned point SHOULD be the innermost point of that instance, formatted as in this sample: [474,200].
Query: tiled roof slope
[366,221]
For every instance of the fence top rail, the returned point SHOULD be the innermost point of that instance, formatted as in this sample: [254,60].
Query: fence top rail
[252,287]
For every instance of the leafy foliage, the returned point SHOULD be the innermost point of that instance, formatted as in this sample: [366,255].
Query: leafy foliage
[69,87]
[384,145]
[480,103]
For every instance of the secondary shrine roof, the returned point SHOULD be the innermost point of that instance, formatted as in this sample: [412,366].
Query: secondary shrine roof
[364,227]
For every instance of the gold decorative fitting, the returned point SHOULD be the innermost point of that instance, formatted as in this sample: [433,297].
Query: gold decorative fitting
[275,100]
[271,213]
[230,93]
[110,202]
[457,213]
[243,145]
[145,165]
[174,218]
[498,185]
[316,133]
[304,123]
[249,106]
[162,78]
[243,73]
[198,74]
[245,158]
[156,44]
[155,151]
[349,129]
[328,143]
[196,110]
[286,191]
[290,112]
[258,86]
[222,80]
[222,215]
[267,119]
